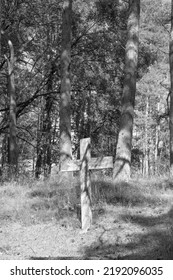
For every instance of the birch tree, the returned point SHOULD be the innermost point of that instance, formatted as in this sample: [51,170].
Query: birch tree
[123,151]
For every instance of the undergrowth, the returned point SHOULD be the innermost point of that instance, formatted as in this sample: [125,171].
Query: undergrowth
[32,201]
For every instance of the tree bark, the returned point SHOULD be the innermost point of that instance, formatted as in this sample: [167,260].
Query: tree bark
[65,102]
[39,159]
[146,151]
[13,151]
[122,163]
[0,25]
[171,92]
[47,125]
[157,131]
[4,160]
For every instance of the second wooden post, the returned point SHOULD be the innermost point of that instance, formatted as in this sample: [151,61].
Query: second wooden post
[85,182]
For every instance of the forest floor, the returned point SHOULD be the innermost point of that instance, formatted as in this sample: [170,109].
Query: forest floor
[132,220]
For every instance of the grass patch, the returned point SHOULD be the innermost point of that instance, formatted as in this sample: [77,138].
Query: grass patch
[130,219]
[41,201]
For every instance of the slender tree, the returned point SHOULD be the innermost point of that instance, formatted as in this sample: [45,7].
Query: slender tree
[39,149]
[13,151]
[146,148]
[0,25]
[65,102]
[171,92]
[123,152]
[47,124]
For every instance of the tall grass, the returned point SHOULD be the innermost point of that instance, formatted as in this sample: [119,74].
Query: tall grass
[31,201]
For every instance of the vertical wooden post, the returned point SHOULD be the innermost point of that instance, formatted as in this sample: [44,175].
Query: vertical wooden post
[84,165]
[85,155]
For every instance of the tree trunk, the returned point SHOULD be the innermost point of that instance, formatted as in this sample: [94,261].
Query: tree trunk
[13,152]
[0,25]
[65,102]
[47,117]
[88,111]
[122,163]
[47,125]
[38,165]
[4,159]
[146,150]
[157,140]
[171,92]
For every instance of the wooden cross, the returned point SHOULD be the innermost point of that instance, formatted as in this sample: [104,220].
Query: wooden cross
[83,165]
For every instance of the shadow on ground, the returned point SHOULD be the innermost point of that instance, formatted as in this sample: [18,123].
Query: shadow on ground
[55,258]
[142,229]
[156,244]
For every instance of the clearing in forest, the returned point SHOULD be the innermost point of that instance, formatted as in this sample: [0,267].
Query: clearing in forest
[40,220]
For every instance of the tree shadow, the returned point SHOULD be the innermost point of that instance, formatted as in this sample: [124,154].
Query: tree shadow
[55,258]
[156,244]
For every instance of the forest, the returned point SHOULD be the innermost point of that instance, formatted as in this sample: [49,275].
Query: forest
[95,38]
[74,70]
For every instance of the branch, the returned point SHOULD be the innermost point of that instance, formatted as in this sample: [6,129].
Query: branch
[26,141]
[29,101]
[82,35]
[24,128]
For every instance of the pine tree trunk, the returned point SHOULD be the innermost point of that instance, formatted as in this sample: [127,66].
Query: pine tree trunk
[171,92]
[65,102]
[0,60]
[13,151]
[47,126]
[122,163]
[146,154]
[88,111]
[156,150]
[4,159]
[38,165]
[47,118]
[157,141]
[0,25]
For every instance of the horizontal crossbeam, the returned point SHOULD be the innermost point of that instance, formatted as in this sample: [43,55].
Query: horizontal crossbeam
[94,164]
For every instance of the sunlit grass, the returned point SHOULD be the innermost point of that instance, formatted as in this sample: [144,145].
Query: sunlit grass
[31,202]
[134,216]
